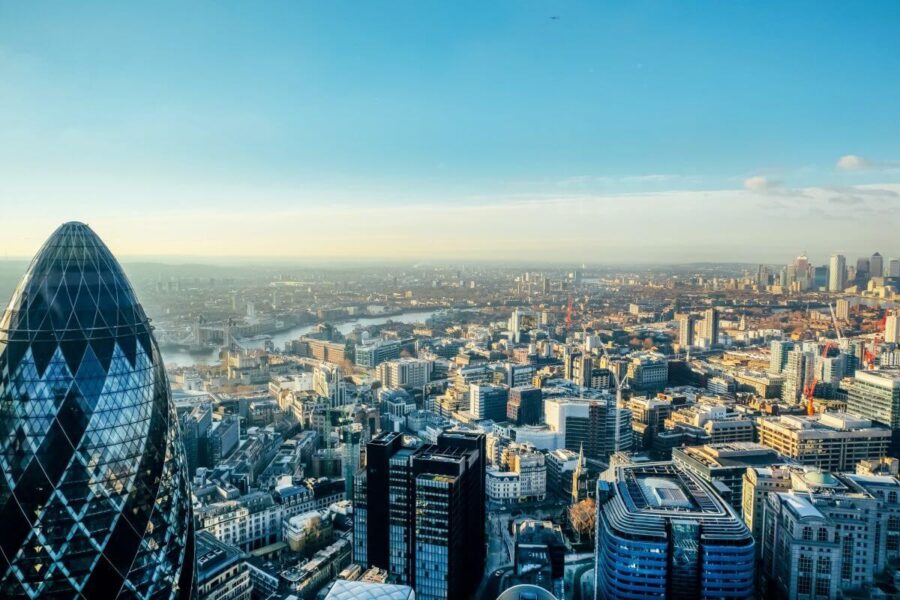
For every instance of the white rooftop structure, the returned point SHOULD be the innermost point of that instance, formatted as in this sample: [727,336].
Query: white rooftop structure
[362,590]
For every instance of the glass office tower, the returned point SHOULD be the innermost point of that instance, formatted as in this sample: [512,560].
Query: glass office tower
[662,532]
[94,496]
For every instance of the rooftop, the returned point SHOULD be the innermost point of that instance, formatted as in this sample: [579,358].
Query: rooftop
[647,496]
[800,506]
[361,590]
[213,555]
[882,377]
[668,488]
[734,454]
[823,423]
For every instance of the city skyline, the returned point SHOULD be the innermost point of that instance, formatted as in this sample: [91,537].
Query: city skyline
[510,132]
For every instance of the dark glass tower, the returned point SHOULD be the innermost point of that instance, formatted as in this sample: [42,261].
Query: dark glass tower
[420,515]
[94,496]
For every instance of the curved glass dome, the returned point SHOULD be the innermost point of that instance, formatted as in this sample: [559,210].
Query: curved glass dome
[94,496]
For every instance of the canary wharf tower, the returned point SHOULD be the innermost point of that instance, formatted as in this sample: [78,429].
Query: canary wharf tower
[94,497]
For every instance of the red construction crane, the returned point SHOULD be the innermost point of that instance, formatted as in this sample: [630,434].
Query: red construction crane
[869,355]
[569,314]
[810,390]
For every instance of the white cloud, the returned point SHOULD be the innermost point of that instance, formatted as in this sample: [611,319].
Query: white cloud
[760,184]
[852,162]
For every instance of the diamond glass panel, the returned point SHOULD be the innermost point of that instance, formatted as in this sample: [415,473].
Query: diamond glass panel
[94,496]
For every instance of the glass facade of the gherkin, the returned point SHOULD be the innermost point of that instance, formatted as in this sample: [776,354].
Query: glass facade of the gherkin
[94,496]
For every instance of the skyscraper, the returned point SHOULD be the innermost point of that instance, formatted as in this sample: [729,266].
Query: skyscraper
[798,371]
[711,327]
[837,273]
[876,265]
[94,498]
[892,327]
[778,351]
[685,330]
[525,405]
[423,510]
[893,268]
[862,271]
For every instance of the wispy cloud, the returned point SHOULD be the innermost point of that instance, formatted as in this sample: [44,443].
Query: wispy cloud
[655,225]
[629,180]
[853,162]
[760,184]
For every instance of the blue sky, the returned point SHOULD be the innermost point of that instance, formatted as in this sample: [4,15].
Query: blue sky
[219,127]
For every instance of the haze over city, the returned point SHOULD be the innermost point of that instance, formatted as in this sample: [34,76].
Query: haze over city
[507,131]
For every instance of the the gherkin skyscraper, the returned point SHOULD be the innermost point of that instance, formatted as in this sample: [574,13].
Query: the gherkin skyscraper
[94,496]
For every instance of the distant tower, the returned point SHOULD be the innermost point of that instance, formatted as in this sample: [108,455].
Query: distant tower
[685,330]
[837,273]
[876,265]
[711,327]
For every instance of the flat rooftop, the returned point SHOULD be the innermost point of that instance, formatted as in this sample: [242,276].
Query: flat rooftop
[666,487]
[734,454]
[889,377]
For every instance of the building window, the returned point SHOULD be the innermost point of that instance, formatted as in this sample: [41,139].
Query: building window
[804,576]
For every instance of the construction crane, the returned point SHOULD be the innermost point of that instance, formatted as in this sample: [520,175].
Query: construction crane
[569,311]
[620,383]
[810,389]
[834,321]
[869,355]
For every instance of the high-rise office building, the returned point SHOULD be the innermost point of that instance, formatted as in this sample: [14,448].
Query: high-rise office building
[488,401]
[820,277]
[798,371]
[662,532]
[525,405]
[711,327]
[842,309]
[875,395]
[424,513]
[95,499]
[837,273]
[892,328]
[876,265]
[832,441]
[778,352]
[596,427]
[893,268]
[862,272]
[685,330]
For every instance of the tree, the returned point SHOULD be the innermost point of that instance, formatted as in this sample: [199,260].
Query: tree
[583,517]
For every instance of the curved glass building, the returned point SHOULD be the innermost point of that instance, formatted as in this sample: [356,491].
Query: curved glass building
[662,532]
[94,496]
